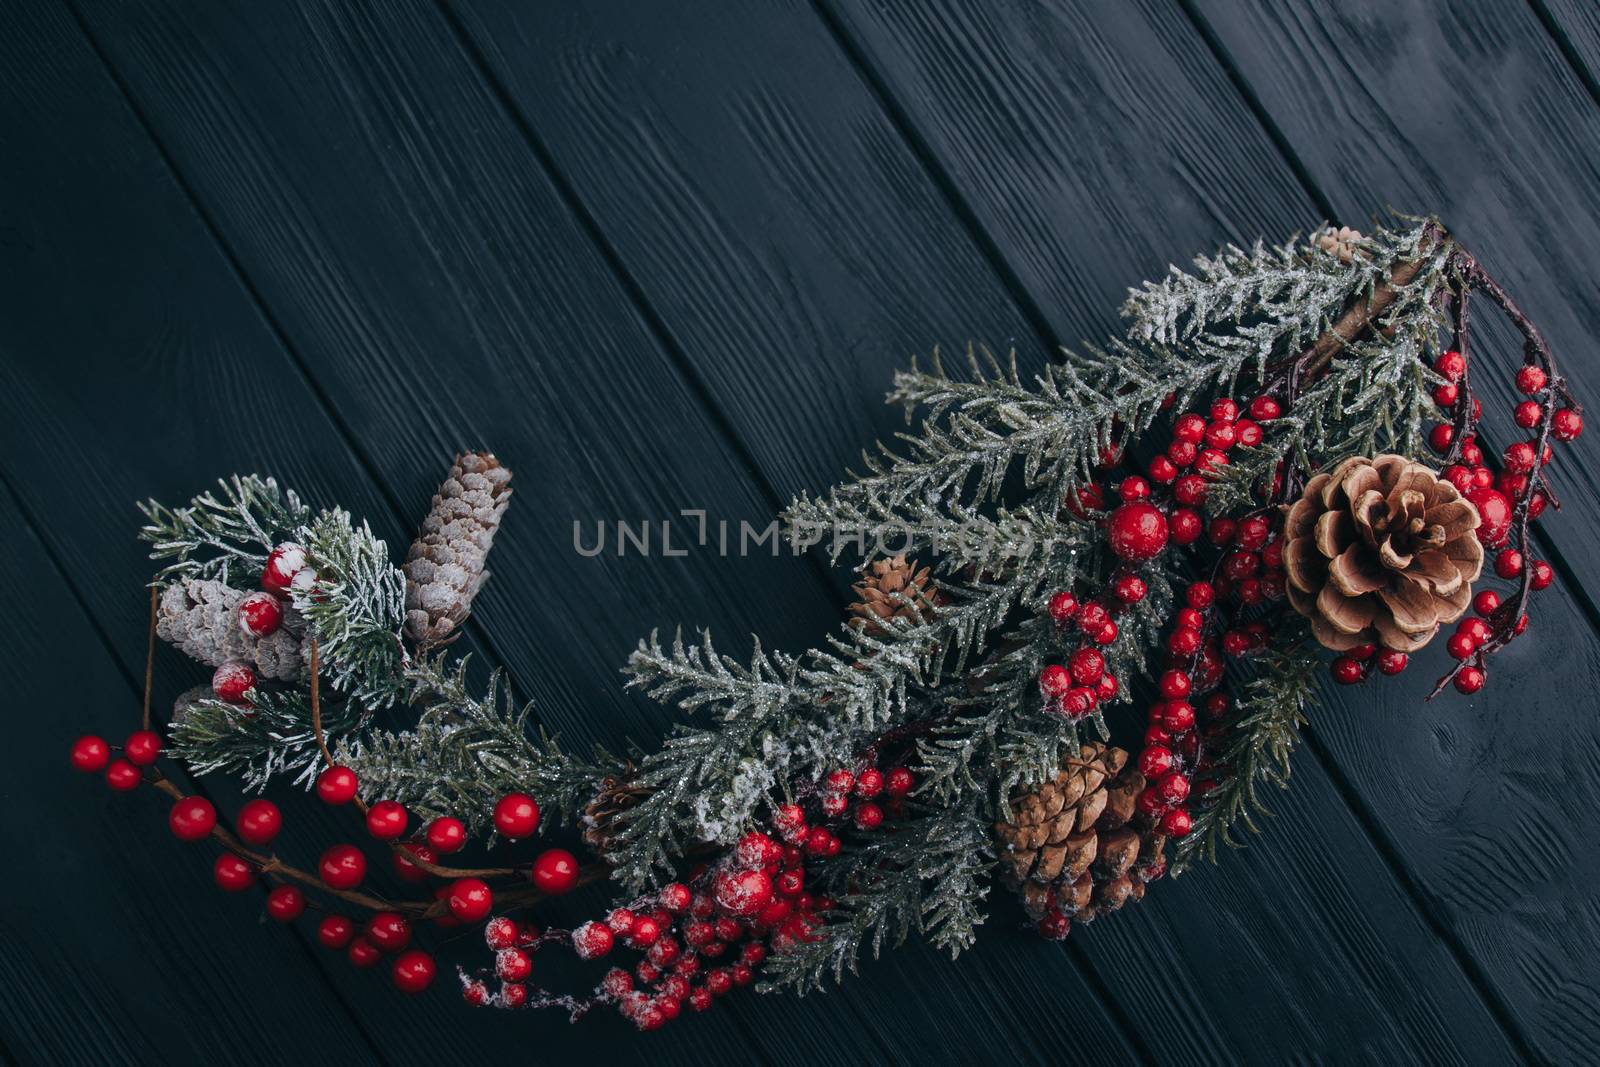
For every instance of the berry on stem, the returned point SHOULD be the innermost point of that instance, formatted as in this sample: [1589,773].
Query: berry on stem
[286,903]
[259,821]
[555,871]
[335,931]
[90,754]
[413,971]
[123,776]
[386,820]
[232,874]
[142,747]
[342,867]
[470,899]
[337,785]
[516,815]
[446,835]
[192,818]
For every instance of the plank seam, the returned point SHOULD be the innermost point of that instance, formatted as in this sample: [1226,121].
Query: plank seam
[1564,45]
[135,686]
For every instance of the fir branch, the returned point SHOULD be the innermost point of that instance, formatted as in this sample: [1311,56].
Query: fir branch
[467,751]
[236,526]
[271,736]
[1261,733]
[356,608]
[929,876]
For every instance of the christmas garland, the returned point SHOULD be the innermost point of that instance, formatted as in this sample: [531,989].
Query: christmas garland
[1117,530]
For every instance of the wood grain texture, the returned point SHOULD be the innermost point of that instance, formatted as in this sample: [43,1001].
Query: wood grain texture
[111,939]
[652,98]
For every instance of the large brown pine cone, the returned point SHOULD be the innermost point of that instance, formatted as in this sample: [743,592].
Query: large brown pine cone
[601,814]
[1380,551]
[444,569]
[893,589]
[1072,844]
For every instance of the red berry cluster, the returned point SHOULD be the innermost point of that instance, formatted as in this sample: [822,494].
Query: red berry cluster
[286,571]
[1507,503]
[1074,690]
[695,941]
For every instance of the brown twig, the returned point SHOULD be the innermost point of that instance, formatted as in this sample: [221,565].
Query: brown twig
[150,658]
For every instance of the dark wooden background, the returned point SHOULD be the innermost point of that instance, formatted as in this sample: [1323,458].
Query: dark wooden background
[665,256]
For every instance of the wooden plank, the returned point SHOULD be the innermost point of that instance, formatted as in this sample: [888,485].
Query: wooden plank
[398,265]
[758,131]
[1402,779]
[486,263]
[176,348]
[110,952]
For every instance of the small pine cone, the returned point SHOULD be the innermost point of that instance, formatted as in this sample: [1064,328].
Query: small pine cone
[893,589]
[188,699]
[1073,844]
[1380,551]
[444,569]
[1340,241]
[201,617]
[614,797]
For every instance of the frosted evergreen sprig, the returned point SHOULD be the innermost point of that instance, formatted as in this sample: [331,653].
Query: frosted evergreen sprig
[271,736]
[233,527]
[356,608]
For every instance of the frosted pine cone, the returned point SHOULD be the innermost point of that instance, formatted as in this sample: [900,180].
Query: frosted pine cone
[1380,551]
[444,569]
[202,618]
[893,589]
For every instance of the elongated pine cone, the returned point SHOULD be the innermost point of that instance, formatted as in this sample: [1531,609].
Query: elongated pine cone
[202,617]
[444,569]
[1380,551]
[893,589]
[1074,845]
[599,821]
[1339,241]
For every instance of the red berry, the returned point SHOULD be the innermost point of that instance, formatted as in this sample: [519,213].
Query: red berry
[1508,564]
[555,871]
[501,932]
[1476,629]
[389,931]
[446,835]
[1182,453]
[1107,634]
[675,896]
[1264,408]
[1138,531]
[335,931]
[475,994]
[1392,662]
[1176,823]
[1494,515]
[1460,645]
[645,932]
[1530,379]
[699,999]
[1485,602]
[1105,688]
[1210,459]
[192,818]
[834,804]
[142,747]
[1247,433]
[1221,435]
[1543,574]
[1063,606]
[283,563]
[260,614]
[899,782]
[1519,457]
[742,893]
[1175,684]
[1133,487]
[1451,365]
[1178,717]
[1054,681]
[232,874]
[413,971]
[868,815]
[1184,641]
[1086,666]
[513,995]
[1224,410]
[1200,595]
[1163,470]
[1185,525]
[516,815]
[1347,670]
[869,783]
[386,820]
[616,983]
[1155,761]
[259,821]
[90,754]
[123,776]
[1092,616]
[591,940]
[470,899]
[1129,588]
[342,867]
[1440,436]
[1445,395]
[232,681]
[1221,531]
[337,785]
[821,842]
[1190,427]
[1469,680]
[363,953]
[840,781]
[1527,414]
[1566,424]
[286,903]
[1173,787]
